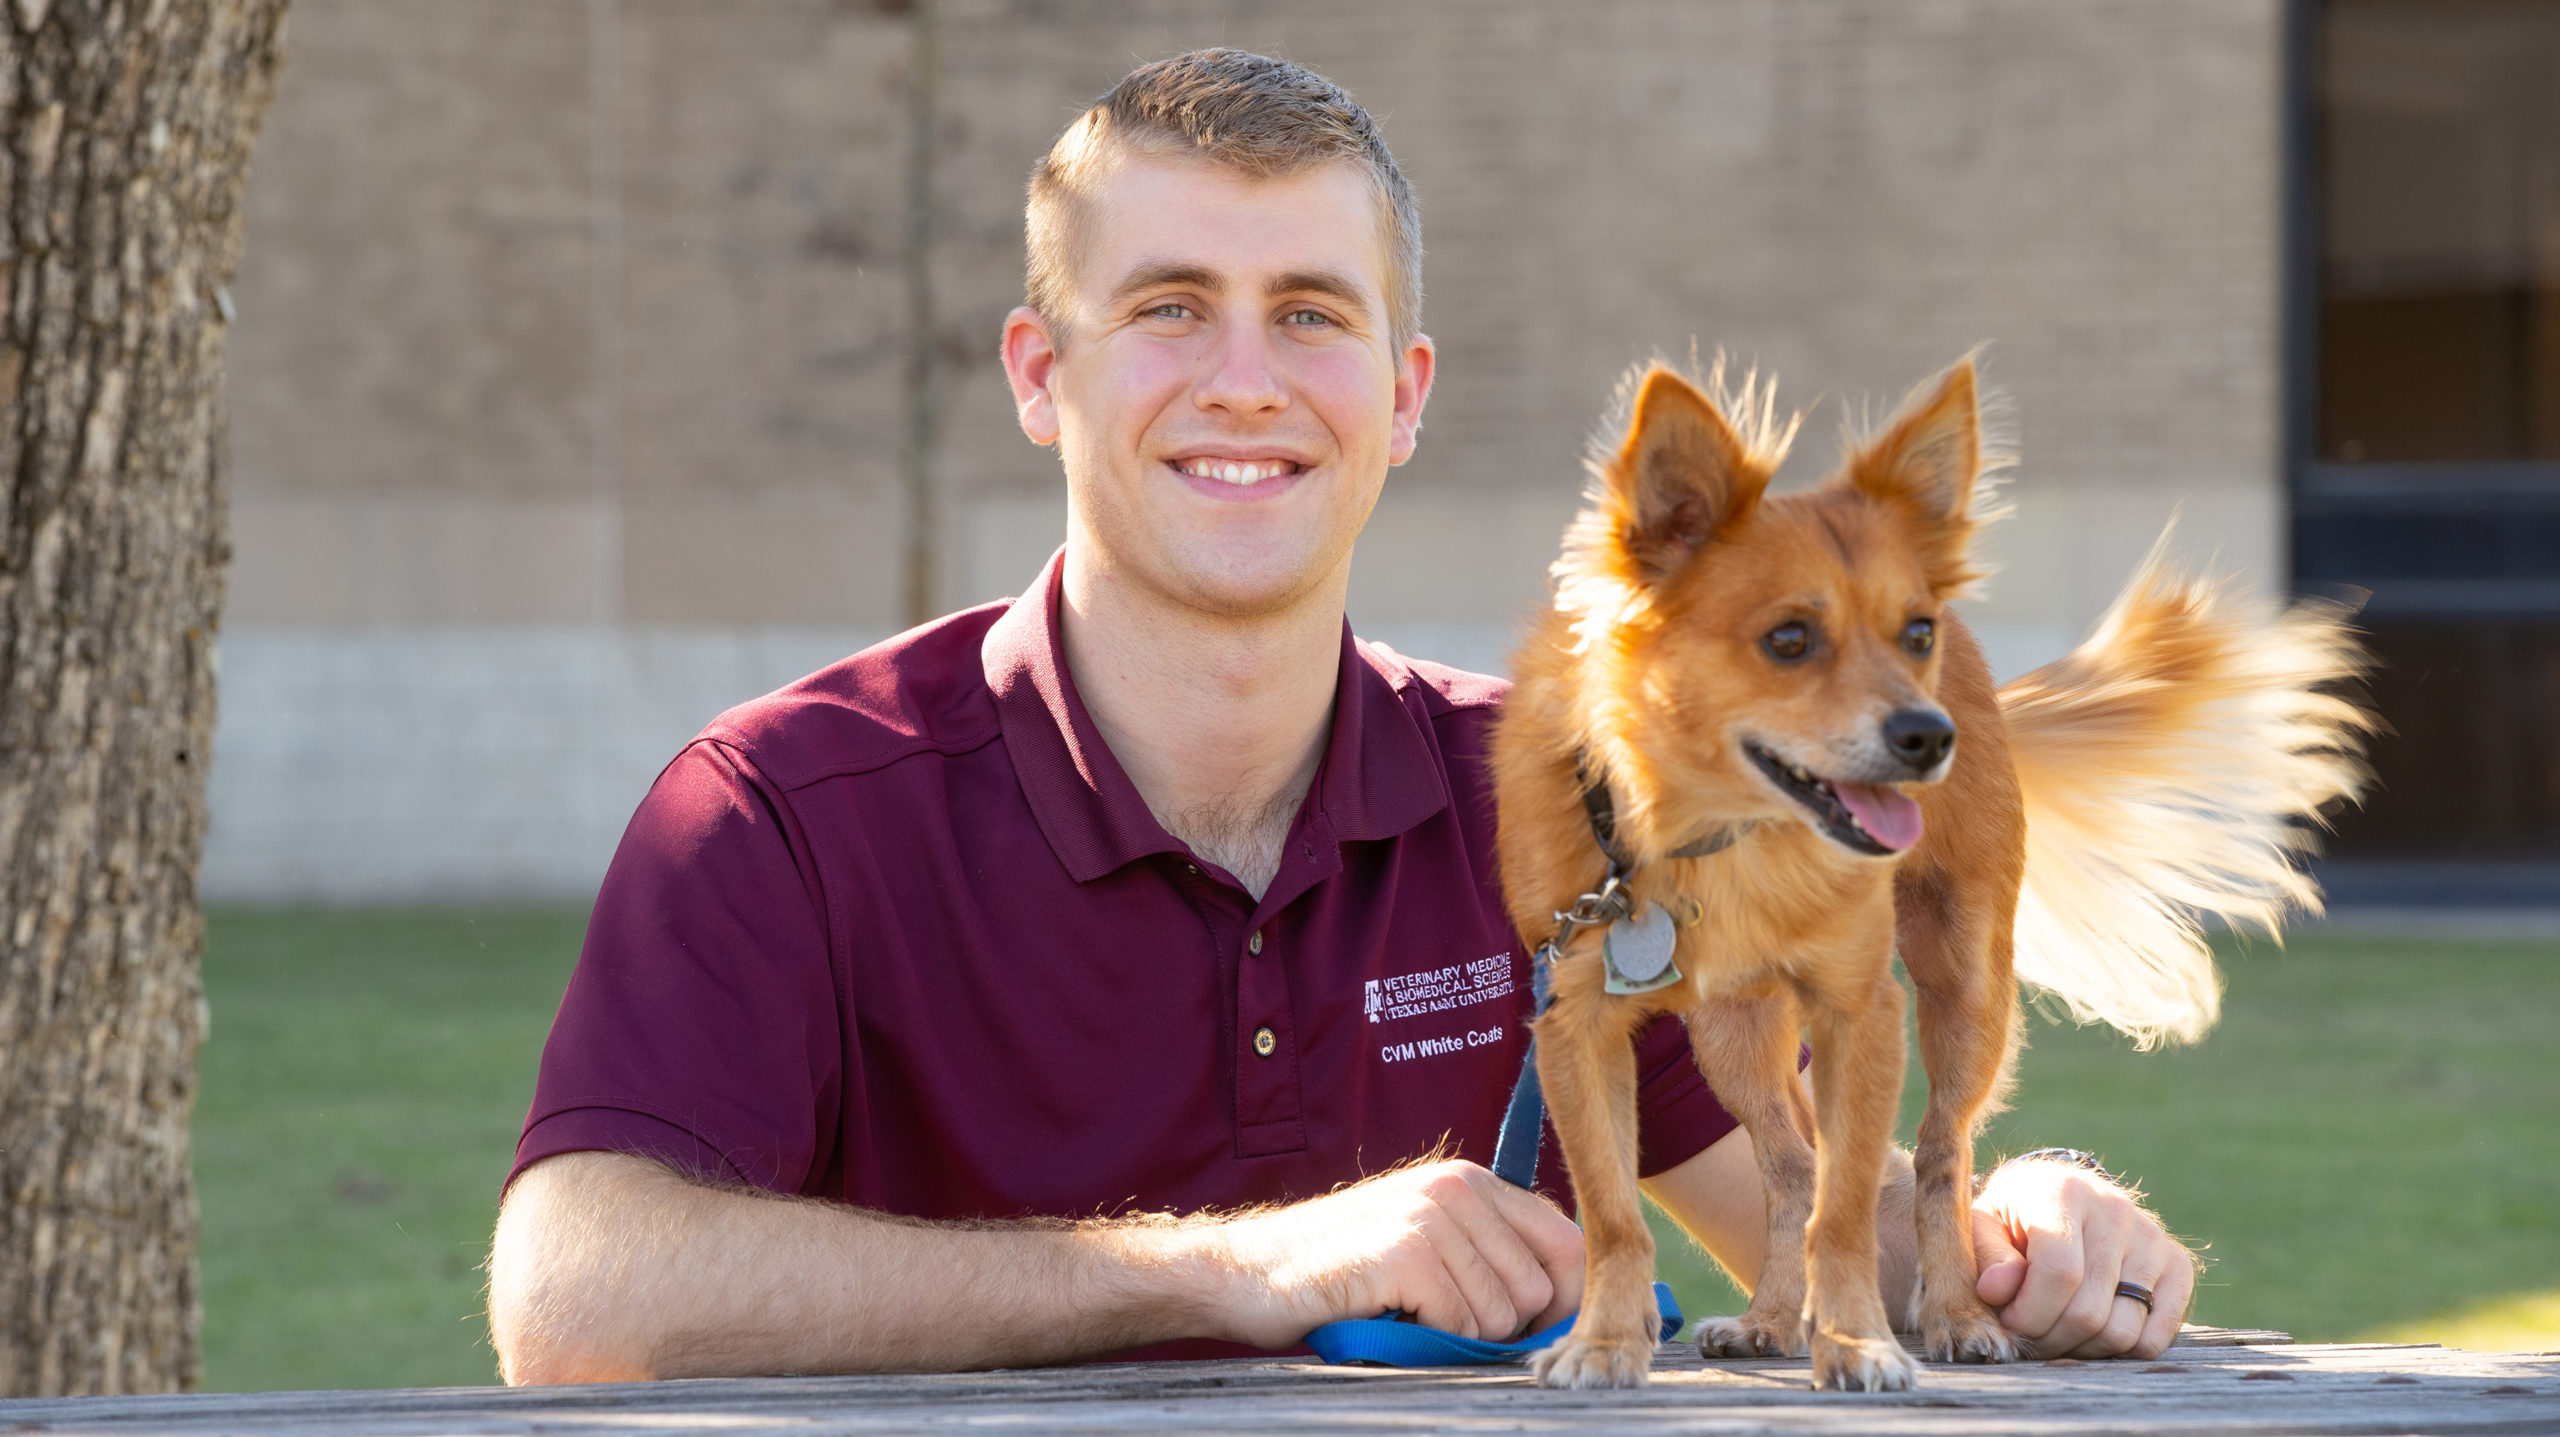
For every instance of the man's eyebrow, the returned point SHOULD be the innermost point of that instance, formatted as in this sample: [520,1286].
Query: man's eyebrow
[1166,273]
[1178,274]
[1320,281]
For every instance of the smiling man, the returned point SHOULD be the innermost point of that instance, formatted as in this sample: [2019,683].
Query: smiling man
[1121,967]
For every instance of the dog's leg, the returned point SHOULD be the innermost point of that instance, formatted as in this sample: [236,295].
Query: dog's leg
[1857,1081]
[1587,1065]
[1955,941]
[1747,1049]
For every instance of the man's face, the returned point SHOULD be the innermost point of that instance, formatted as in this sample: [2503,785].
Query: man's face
[1228,399]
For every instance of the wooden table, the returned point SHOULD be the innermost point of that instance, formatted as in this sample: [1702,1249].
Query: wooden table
[2216,1385]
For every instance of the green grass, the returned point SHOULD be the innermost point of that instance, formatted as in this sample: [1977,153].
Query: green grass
[2370,1142]
[2368,1145]
[362,1090]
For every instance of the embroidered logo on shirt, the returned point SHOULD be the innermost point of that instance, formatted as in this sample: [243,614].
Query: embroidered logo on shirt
[1435,1047]
[1437,990]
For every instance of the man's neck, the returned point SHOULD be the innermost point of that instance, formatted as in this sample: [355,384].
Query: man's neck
[1219,721]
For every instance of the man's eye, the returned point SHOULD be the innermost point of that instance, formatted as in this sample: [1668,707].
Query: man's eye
[1309,318]
[1170,311]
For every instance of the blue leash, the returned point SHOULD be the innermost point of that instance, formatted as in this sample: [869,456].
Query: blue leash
[1397,1340]
[1515,1151]
[1391,1342]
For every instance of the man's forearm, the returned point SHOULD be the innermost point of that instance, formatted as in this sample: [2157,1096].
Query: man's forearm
[613,1268]
[1718,1198]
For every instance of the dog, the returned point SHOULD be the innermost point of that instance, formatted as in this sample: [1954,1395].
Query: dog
[1750,734]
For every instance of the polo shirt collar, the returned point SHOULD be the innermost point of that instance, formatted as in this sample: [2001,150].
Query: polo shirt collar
[1380,774]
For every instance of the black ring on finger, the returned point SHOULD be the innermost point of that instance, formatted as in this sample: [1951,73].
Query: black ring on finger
[2137,1292]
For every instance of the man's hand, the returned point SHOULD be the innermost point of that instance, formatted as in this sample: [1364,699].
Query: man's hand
[2052,1240]
[1449,1242]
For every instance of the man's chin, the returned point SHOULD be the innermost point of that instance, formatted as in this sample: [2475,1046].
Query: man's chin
[1250,586]
[1248,596]
[1238,570]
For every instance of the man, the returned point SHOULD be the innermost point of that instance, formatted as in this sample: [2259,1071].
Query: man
[1122,966]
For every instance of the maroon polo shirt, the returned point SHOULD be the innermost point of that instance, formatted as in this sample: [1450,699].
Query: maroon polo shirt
[904,935]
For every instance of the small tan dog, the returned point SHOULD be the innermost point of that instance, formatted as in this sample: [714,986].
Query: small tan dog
[1758,716]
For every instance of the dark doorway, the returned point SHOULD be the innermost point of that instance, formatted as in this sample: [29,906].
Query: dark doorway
[2426,425]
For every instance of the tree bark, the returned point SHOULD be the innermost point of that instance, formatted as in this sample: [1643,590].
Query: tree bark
[125,131]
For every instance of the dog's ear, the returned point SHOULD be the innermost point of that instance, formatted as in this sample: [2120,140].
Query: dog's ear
[1681,474]
[1931,454]
[1929,463]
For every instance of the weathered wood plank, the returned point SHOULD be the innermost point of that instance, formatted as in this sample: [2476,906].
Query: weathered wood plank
[2193,1336]
[2263,1389]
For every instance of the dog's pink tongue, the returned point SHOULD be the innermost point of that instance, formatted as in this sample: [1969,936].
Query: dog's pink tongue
[1888,815]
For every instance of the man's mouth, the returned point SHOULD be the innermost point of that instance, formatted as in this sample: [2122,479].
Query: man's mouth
[1868,818]
[1239,472]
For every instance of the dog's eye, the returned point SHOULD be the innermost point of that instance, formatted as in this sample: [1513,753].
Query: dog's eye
[1789,641]
[1919,637]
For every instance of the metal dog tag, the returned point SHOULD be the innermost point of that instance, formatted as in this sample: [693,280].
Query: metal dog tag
[1637,952]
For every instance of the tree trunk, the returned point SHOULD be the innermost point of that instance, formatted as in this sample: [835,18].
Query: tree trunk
[125,129]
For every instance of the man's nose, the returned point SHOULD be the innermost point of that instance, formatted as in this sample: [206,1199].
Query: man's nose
[1921,738]
[1242,379]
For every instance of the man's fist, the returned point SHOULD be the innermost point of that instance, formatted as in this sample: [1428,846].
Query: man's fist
[1448,1241]
[2052,1240]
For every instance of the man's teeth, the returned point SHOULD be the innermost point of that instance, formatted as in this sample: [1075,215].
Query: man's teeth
[1227,471]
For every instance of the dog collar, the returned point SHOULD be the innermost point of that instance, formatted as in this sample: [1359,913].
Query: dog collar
[1603,810]
[1515,1152]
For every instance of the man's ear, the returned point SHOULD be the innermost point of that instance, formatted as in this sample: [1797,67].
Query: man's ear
[1414,369]
[1681,474]
[1931,455]
[1031,366]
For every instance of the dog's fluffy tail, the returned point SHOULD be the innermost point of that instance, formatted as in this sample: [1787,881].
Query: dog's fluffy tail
[2174,766]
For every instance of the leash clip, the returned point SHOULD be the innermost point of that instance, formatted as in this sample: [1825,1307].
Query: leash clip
[1610,903]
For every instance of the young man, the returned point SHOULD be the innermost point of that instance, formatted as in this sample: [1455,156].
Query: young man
[1123,965]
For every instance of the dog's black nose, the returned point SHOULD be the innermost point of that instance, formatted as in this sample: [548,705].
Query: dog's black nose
[1919,737]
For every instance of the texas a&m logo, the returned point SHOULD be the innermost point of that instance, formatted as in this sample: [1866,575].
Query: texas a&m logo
[1437,990]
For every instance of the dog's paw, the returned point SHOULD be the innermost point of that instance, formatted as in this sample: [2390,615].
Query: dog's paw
[1862,1364]
[1575,1361]
[1969,1336]
[1751,1335]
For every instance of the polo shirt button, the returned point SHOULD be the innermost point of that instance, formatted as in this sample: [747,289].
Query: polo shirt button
[1254,943]
[1265,1042]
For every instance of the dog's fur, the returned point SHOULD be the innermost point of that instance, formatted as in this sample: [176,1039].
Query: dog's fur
[2085,814]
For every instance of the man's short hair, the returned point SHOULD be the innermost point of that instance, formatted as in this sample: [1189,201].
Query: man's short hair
[1264,118]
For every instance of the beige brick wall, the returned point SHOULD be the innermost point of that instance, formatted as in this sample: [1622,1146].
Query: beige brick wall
[585,316]
[616,307]
[613,307]
[1850,193]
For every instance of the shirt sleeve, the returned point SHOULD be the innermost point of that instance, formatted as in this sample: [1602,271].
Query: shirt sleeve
[702,1025]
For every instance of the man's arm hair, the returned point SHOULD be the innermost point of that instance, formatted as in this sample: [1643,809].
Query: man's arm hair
[608,1267]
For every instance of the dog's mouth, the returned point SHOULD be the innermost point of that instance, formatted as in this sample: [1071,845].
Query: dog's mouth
[1867,818]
